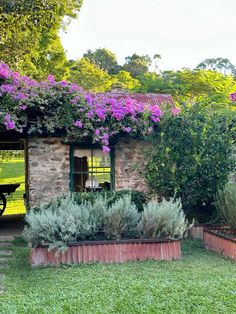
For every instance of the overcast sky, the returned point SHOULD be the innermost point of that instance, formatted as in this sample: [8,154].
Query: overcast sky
[184,32]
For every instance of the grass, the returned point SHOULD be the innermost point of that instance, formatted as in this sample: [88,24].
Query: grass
[201,282]
[13,171]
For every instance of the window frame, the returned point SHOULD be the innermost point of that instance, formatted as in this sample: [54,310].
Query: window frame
[87,146]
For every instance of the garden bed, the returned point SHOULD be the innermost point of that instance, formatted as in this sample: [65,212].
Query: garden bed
[108,252]
[196,231]
[221,240]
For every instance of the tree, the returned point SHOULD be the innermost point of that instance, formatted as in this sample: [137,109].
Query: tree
[190,86]
[223,65]
[104,59]
[156,58]
[51,59]
[191,156]
[150,82]
[27,27]
[137,65]
[89,76]
[123,80]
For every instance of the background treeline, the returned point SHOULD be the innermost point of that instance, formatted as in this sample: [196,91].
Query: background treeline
[31,45]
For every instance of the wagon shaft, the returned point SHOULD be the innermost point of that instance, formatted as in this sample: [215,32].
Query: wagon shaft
[8,188]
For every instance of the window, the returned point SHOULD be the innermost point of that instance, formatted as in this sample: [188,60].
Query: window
[90,170]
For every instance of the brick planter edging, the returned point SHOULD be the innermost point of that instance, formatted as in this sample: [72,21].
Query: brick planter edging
[108,252]
[219,243]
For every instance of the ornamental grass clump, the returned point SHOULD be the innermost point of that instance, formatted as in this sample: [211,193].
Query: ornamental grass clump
[164,219]
[225,202]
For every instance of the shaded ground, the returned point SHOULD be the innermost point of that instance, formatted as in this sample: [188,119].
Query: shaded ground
[202,282]
[11,225]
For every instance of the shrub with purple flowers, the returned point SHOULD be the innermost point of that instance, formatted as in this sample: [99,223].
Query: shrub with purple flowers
[49,106]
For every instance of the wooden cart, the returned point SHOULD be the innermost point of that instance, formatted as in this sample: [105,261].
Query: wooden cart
[6,189]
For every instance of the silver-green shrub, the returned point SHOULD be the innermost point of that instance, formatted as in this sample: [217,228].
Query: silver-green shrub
[164,219]
[97,211]
[121,218]
[58,225]
[225,202]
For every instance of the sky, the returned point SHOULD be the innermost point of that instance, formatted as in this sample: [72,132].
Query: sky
[183,32]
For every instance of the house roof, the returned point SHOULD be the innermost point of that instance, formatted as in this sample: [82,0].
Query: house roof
[148,98]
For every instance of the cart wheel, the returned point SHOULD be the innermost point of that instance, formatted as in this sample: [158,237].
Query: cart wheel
[3,203]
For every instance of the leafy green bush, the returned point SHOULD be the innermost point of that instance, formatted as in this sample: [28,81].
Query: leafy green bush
[137,197]
[191,156]
[165,219]
[225,201]
[121,218]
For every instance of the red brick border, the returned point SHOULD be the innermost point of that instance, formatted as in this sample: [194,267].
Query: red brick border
[108,252]
[220,243]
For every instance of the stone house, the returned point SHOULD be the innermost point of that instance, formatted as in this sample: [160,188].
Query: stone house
[55,167]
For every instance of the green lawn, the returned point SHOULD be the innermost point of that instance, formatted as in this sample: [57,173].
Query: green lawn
[13,171]
[201,282]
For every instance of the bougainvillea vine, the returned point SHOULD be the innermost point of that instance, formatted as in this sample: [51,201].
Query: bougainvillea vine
[38,107]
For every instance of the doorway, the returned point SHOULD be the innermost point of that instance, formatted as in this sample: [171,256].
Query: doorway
[12,172]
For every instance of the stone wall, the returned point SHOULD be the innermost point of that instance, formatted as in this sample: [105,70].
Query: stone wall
[129,165]
[48,169]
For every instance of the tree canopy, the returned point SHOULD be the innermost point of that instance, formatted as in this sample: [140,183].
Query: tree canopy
[223,65]
[89,76]
[137,65]
[29,29]
[30,44]
[104,59]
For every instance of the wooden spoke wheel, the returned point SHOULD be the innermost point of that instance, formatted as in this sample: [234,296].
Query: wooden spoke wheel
[3,203]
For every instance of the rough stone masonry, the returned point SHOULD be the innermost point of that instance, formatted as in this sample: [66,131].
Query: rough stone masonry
[48,167]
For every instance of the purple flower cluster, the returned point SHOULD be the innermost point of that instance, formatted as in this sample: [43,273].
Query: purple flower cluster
[127,129]
[4,71]
[8,122]
[97,116]
[78,123]
[51,79]
[233,97]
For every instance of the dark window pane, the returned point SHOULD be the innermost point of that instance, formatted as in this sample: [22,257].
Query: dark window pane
[79,182]
[92,170]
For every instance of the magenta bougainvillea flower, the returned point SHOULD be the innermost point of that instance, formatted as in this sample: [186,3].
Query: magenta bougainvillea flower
[78,123]
[175,111]
[233,97]
[8,122]
[4,71]
[52,106]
